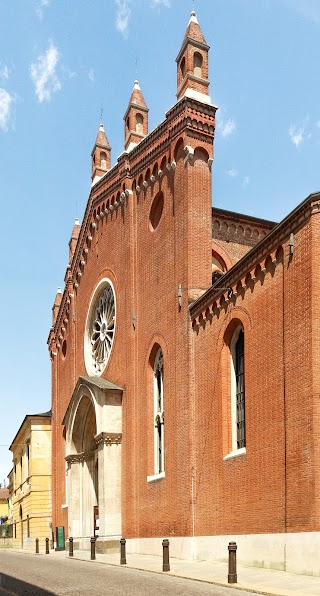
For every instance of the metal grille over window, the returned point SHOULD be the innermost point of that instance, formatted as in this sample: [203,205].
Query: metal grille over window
[159,413]
[240,392]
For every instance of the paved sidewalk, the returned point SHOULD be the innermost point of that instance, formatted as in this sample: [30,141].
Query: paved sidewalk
[252,579]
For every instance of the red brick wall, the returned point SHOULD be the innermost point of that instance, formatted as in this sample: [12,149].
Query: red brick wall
[146,267]
[272,488]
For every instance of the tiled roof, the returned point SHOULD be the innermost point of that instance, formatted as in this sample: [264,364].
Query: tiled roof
[4,493]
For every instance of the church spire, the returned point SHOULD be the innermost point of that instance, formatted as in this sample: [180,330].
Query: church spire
[192,63]
[74,239]
[135,119]
[101,155]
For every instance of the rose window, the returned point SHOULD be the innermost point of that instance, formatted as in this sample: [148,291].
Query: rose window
[100,329]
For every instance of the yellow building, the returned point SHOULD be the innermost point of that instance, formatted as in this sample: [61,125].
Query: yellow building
[4,508]
[31,485]
[10,494]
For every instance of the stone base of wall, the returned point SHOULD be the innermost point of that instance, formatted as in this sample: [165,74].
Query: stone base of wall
[6,542]
[107,546]
[296,553]
[104,544]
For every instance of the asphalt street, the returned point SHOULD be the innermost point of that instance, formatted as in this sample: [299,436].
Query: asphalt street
[42,575]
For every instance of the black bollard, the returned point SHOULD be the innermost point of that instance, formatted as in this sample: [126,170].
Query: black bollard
[70,547]
[52,540]
[37,546]
[93,548]
[123,559]
[165,562]
[47,546]
[232,571]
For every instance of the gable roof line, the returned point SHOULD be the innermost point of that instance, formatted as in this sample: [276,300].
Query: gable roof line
[229,278]
[27,417]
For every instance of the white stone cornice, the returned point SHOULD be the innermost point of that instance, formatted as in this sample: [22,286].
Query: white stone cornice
[108,438]
[80,457]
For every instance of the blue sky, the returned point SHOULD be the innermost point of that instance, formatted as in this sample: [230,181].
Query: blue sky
[60,62]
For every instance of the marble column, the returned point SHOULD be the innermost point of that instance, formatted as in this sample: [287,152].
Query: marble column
[109,491]
[88,496]
[74,495]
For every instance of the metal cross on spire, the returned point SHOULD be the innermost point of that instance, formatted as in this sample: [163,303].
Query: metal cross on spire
[101,114]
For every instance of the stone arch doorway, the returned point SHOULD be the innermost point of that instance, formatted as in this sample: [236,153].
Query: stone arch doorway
[93,454]
[82,474]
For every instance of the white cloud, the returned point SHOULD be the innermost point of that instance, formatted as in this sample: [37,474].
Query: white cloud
[42,4]
[123,16]
[43,74]
[166,3]
[91,75]
[245,181]
[298,133]
[4,72]
[6,101]
[233,173]
[309,9]
[227,126]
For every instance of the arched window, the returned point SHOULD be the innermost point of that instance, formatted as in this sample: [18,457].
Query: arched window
[197,64]
[183,67]
[238,406]
[158,396]
[139,123]
[103,160]
[218,266]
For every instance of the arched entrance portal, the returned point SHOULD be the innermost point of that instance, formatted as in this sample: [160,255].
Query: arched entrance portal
[82,471]
[93,456]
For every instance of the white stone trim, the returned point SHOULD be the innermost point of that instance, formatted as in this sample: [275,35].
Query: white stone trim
[293,552]
[159,463]
[193,94]
[234,340]
[131,146]
[156,477]
[235,453]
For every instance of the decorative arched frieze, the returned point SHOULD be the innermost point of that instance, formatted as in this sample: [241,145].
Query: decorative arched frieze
[178,152]
[200,154]
[229,228]
[226,299]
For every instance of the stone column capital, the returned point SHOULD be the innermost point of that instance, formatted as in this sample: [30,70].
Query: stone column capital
[108,438]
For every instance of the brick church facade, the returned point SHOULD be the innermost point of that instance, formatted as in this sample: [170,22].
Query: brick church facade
[185,348]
